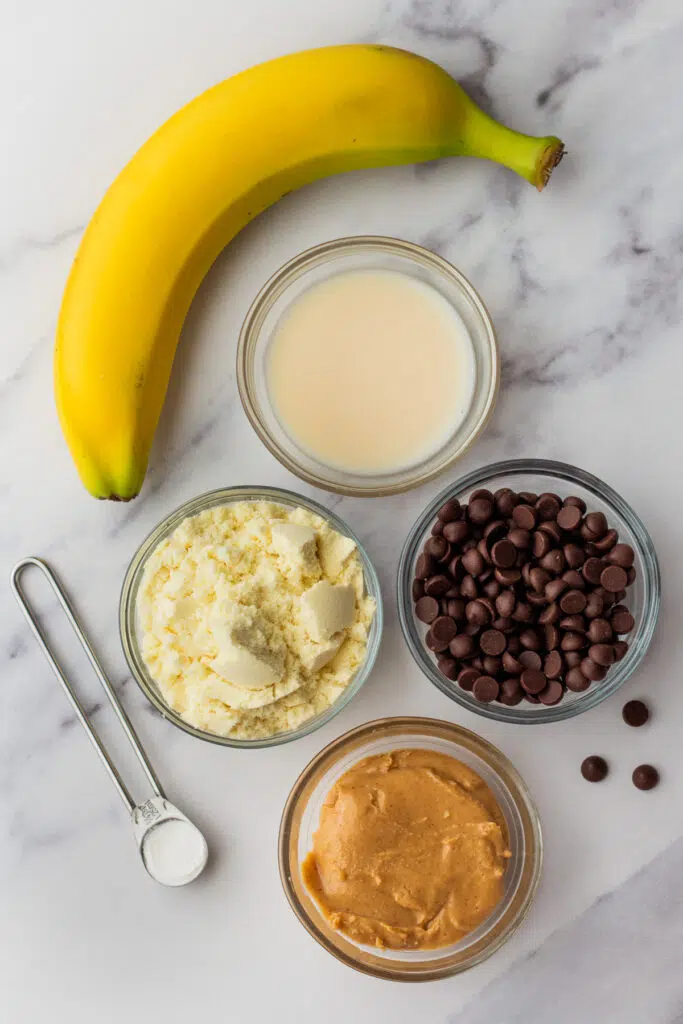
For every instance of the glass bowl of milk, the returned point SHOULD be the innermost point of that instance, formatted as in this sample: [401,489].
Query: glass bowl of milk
[368,365]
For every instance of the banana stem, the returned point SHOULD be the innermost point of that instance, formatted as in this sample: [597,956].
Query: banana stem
[531,157]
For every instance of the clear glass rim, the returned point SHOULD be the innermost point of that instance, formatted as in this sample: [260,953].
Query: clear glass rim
[651,583]
[277,285]
[508,777]
[133,576]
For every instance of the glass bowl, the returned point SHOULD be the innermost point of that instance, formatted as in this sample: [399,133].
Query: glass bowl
[643,597]
[300,820]
[128,623]
[323,261]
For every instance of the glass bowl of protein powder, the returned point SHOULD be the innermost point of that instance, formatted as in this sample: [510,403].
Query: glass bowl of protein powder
[368,365]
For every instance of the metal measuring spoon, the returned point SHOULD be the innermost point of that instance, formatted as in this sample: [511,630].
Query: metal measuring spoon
[172,849]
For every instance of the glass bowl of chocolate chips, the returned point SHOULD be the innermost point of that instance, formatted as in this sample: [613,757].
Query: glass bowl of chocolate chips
[528,591]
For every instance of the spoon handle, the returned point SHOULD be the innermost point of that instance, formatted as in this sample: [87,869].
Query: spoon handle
[126,724]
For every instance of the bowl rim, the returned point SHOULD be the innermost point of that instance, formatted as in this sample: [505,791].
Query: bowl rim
[651,582]
[278,283]
[211,499]
[507,775]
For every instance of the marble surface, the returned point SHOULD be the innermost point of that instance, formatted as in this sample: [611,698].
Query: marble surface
[583,284]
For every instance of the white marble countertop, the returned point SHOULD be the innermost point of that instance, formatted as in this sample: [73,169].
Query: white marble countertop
[584,286]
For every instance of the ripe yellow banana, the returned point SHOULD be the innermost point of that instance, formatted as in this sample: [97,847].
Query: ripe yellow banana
[203,176]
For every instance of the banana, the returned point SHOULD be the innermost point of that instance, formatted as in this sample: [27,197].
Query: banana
[207,172]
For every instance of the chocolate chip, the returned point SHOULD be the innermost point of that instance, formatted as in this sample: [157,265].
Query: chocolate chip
[507,577]
[478,613]
[552,636]
[529,640]
[552,694]
[594,768]
[524,517]
[528,497]
[505,603]
[569,517]
[550,613]
[448,667]
[483,549]
[645,776]
[510,692]
[437,586]
[437,528]
[576,680]
[592,670]
[623,555]
[511,665]
[437,547]
[599,631]
[424,567]
[520,538]
[554,561]
[492,588]
[594,606]
[620,649]
[505,500]
[480,510]
[492,642]
[631,575]
[613,579]
[538,578]
[537,600]
[553,531]
[541,543]
[602,654]
[621,620]
[450,511]
[530,660]
[607,542]
[573,602]
[504,554]
[573,623]
[485,689]
[533,681]
[572,659]
[461,646]
[523,612]
[427,609]
[574,579]
[444,629]
[574,555]
[572,642]
[468,587]
[592,570]
[547,507]
[434,644]
[553,666]
[456,532]
[574,500]
[417,589]
[467,678]
[635,713]
[595,524]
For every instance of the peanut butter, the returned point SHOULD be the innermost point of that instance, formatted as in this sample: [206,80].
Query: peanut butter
[410,851]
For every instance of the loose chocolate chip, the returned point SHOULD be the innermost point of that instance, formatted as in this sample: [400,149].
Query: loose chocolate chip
[592,570]
[482,492]
[595,524]
[574,500]
[448,667]
[427,609]
[434,644]
[531,699]
[507,577]
[631,575]
[485,689]
[572,642]
[594,606]
[461,646]
[467,677]
[520,538]
[573,602]
[453,591]
[552,636]
[569,517]
[572,659]
[473,562]
[455,607]
[620,649]
[530,660]
[547,507]
[528,497]
[418,589]
[456,532]
[444,629]
[483,549]
[607,542]
[472,628]
[594,768]
[541,543]
[478,664]
[523,612]
[529,640]
[492,589]
[510,692]
[573,623]
[533,681]
[477,613]
[492,642]
[437,528]
[613,579]
[505,500]
[437,586]
[437,547]
[645,776]
[480,510]
[494,530]
[503,624]
[491,666]
[553,531]
[635,713]
[505,603]
[552,694]
[537,600]
[601,654]
[511,665]
[592,670]
[574,555]
[550,613]
[553,666]
[424,566]
[450,511]
[574,579]
[504,554]
[621,620]
[524,517]
[468,587]
[619,596]
[599,631]
[538,578]
[554,561]
[576,680]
